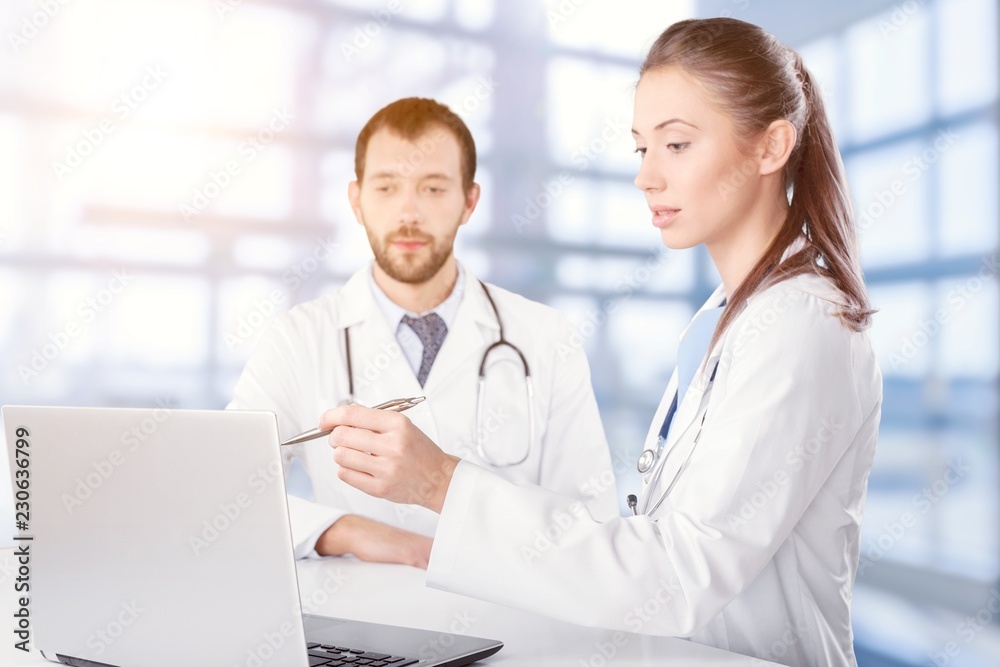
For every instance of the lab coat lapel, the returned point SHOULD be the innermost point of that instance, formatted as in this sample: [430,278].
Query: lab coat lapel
[679,442]
[379,366]
[688,408]
[474,326]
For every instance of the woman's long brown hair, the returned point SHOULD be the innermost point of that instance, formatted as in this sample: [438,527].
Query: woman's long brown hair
[756,80]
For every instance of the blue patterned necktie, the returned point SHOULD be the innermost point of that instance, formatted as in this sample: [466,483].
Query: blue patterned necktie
[431,330]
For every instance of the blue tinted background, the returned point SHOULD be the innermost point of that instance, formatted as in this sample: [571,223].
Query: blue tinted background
[120,123]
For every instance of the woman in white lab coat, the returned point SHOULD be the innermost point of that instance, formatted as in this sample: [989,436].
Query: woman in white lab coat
[747,526]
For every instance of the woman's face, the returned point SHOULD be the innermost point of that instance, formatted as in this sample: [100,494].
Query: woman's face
[697,183]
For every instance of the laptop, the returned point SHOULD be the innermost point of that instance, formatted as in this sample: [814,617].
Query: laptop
[161,537]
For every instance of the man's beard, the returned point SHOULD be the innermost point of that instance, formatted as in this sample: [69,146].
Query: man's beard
[409,267]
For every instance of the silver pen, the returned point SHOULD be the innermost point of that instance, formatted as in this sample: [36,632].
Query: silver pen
[395,405]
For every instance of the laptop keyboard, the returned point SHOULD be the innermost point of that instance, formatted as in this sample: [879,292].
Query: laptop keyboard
[325,655]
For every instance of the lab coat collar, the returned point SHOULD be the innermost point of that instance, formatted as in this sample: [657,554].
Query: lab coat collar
[719,295]
[688,410]
[714,301]
[474,325]
[354,307]
[356,303]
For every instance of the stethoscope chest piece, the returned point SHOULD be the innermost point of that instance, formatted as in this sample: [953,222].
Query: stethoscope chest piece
[645,461]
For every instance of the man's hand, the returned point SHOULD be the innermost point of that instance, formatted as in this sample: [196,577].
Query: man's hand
[374,541]
[383,454]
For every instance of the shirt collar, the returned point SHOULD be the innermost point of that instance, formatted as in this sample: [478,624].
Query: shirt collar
[393,312]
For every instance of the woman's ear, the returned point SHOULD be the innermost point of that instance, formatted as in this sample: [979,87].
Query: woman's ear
[775,146]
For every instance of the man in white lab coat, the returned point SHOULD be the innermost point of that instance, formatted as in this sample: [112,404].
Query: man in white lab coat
[415,322]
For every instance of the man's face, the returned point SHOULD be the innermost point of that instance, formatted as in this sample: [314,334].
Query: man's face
[411,202]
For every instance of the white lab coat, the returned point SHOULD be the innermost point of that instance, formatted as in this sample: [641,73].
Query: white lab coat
[755,548]
[297,370]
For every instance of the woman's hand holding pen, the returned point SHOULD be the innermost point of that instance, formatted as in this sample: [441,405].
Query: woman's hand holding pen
[383,454]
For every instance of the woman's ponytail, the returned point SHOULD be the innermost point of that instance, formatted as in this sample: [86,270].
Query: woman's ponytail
[759,80]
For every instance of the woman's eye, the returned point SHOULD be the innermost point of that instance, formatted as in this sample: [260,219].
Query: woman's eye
[641,151]
[677,148]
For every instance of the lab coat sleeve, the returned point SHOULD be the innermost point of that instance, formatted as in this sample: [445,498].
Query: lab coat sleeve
[786,388]
[575,457]
[269,382]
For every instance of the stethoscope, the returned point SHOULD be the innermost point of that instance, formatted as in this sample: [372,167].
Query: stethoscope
[481,396]
[653,458]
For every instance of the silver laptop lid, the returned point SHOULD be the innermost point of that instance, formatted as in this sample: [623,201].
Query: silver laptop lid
[161,537]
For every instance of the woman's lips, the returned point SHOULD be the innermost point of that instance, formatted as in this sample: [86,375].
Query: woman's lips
[662,215]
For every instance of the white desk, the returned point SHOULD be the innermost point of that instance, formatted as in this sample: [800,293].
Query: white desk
[396,594]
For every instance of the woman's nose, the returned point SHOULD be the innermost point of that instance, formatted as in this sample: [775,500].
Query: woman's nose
[648,178]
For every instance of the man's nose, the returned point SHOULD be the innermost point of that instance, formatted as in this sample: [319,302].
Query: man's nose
[410,212]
